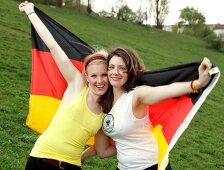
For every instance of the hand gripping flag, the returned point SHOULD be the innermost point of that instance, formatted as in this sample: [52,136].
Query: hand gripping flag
[169,118]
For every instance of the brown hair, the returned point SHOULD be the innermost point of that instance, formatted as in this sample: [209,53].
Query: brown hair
[135,69]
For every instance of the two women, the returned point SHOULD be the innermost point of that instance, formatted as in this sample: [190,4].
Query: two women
[127,119]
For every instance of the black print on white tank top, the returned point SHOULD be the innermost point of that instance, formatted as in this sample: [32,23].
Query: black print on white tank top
[108,123]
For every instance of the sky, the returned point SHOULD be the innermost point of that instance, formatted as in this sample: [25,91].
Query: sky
[213,10]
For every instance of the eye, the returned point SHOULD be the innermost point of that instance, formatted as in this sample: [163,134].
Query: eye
[110,67]
[123,69]
[93,76]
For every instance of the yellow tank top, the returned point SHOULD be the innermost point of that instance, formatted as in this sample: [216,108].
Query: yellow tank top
[68,132]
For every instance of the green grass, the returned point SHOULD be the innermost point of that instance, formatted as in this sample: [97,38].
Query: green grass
[200,147]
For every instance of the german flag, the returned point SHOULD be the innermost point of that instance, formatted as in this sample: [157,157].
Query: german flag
[169,118]
[47,83]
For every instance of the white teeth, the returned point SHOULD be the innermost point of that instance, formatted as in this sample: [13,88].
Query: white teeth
[115,78]
[100,86]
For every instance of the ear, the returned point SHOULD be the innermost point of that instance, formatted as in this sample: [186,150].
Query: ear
[86,76]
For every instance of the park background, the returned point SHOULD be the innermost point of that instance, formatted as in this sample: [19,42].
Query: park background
[199,148]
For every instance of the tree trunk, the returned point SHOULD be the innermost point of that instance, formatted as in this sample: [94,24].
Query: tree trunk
[89,7]
[58,3]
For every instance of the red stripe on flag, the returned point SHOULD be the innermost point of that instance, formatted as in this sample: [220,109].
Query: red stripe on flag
[170,114]
[46,77]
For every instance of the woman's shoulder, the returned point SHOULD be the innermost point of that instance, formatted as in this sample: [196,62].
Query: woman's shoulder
[70,94]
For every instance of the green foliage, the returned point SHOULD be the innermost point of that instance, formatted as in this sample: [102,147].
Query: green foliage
[193,23]
[125,13]
[198,30]
[75,4]
[105,13]
[190,17]
[215,41]
[108,14]
[199,148]
[203,31]
[218,43]
[175,28]
[188,31]
[139,16]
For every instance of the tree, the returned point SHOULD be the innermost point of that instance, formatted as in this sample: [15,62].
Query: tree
[125,13]
[58,3]
[190,17]
[160,8]
[140,16]
[193,22]
[90,6]
[108,14]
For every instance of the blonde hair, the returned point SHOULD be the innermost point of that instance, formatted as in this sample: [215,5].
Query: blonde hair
[95,58]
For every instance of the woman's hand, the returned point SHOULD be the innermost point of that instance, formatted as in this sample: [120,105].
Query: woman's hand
[26,7]
[204,76]
[89,152]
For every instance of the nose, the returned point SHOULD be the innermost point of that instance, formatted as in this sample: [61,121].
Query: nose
[100,79]
[115,71]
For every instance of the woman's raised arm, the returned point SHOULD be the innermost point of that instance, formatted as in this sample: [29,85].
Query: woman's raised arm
[69,72]
[151,95]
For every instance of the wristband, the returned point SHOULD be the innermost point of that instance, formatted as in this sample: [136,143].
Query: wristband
[194,90]
[30,13]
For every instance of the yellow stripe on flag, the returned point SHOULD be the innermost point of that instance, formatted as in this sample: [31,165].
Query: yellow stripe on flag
[91,141]
[162,146]
[42,109]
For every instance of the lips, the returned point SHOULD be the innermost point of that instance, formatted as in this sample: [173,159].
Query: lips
[101,87]
[115,78]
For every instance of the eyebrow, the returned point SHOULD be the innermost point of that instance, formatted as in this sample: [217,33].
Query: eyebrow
[123,65]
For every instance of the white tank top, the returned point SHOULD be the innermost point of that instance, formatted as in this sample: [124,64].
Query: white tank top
[137,148]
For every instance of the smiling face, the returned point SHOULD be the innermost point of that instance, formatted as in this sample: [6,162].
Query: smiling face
[96,76]
[117,72]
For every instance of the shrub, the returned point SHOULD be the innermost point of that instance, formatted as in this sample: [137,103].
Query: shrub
[174,28]
[215,42]
[125,13]
[189,31]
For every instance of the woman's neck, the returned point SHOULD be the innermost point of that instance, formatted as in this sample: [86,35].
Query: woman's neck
[92,103]
[92,97]
[117,93]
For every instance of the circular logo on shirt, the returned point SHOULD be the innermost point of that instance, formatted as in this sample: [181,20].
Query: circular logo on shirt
[108,123]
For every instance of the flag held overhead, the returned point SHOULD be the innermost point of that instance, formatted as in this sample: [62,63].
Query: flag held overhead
[169,118]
